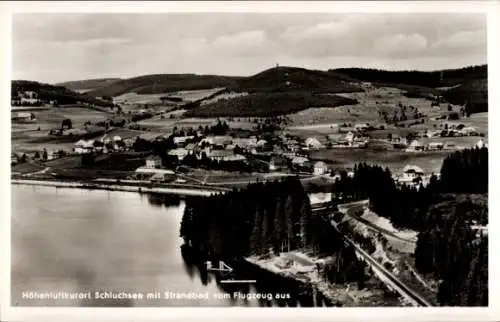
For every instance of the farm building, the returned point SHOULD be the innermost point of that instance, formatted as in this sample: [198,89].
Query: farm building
[158,175]
[313,143]
[320,168]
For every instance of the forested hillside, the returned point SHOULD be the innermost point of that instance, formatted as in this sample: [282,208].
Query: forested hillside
[446,213]
[265,219]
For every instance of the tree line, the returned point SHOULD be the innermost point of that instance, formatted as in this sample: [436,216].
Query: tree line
[266,219]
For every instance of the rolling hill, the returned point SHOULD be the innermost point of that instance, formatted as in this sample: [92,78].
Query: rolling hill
[61,94]
[464,86]
[292,79]
[268,104]
[459,86]
[163,83]
[82,86]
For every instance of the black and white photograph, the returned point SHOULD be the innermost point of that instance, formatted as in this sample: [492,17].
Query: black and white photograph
[249,159]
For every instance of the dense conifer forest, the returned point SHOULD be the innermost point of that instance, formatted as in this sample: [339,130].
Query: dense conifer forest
[265,219]
[445,213]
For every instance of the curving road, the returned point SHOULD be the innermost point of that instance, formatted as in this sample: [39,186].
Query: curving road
[385,275]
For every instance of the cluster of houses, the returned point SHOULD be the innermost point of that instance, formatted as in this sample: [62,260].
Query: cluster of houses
[103,145]
[418,146]
[25,98]
[217,148]
[414,176]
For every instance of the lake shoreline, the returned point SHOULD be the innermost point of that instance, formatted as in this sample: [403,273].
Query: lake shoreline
[114,187]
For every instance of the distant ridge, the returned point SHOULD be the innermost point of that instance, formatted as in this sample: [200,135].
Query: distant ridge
[61,94]
[88,84]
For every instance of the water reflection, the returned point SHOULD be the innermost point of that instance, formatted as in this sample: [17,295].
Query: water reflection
[166,200]
[273,290]
[74,240]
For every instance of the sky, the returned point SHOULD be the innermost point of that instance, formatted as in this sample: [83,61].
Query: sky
[53,48]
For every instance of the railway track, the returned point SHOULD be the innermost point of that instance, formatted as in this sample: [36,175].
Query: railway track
[384,274]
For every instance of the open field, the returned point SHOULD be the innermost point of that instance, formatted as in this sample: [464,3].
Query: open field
[52,118]
[369,102]
[395,159]
[26,137]
[125,133]
[167,124]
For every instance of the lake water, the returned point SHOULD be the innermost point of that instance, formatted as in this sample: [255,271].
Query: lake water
[81,241]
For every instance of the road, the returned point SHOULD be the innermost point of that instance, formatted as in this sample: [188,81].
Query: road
[345,210]
[385,275]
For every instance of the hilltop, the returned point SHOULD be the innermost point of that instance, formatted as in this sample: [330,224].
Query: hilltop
[292,79]
[163,83]
[82,86]
[61,94]
[254,95]
[463,86]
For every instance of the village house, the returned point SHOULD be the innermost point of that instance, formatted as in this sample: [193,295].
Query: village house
[415,146]
[153,162]
[225,155]
[23,116]
[220,140]
[433,146]
[361,126]
[245,143]
[278,163]
[300,161]
[53,155]
[192,147]
[349,137]
[180,153]
[410,174]
[467,131]
[480,144]
[83,146]
[313,143]
[180,141]
[320,168]
[432,134]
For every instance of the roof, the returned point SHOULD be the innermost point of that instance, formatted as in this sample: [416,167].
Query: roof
[191,146]
[412,168]
[416,143]
[177,152]
[151,170]
[23,114]
[299,160]
[218,140]
[182,139]
[261,142]
[436,143]
[220,153]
